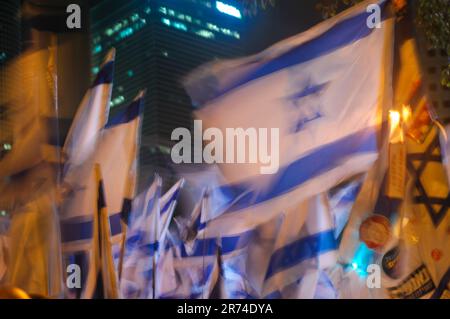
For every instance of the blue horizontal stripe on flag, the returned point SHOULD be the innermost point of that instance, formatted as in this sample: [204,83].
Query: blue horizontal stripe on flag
[73,231]
[105,75]
[131,112]
[342,34]
[301,250]
[310,166]
[166,206]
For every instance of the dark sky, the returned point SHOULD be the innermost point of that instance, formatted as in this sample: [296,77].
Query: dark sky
[287,18]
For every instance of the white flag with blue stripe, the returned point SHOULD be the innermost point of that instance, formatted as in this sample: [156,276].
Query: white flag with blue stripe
[91,116]
[116,152]
[141,244]
[196,262]
[304,245]
[327,131]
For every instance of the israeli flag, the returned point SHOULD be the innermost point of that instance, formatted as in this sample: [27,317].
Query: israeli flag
[167,205]
[327,131]
[137,279]
[196,264]
[304,245]
[341,199]
[244,259]
[116,153]
[91,116]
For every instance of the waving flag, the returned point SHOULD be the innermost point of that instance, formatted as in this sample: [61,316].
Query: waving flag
[91,116]
[116,153]
[304,243]
[196,265]
[141,245]
[31,106]
[326,132]
[167,205]
[106,286]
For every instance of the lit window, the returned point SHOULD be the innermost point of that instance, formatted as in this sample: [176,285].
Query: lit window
[118,26]
[95,69]
[130,73]
[165,21]
[188,18]
[212,27]
[180,16]
[109,32]
[205,33]
[147,10]
[7,146]
[163,10]
[225,31]
[180,26]
[118,100]
[3,213]
[171,12]
[134,17]
[125,33]
[165,53]
[228,9]
[97,49]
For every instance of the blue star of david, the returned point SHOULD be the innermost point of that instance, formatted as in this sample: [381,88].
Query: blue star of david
[311,115]
[423,198]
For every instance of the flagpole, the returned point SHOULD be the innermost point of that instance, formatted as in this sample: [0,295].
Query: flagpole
[54,75]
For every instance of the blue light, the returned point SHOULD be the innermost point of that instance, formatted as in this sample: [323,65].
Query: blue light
[228,9]
[363,257]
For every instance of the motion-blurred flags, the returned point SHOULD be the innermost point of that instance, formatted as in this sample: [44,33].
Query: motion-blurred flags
[28,98]
[327,132]
[197,265]
[106,286]
[34,248]
[91,116]
[141,244]
[305,242]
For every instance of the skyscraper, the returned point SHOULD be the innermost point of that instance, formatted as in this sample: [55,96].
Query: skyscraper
[158,42]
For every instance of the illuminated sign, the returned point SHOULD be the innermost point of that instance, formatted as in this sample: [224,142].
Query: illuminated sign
[228,9]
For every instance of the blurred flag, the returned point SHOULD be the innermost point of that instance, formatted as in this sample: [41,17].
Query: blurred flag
[302,79]
[31,109]
[304,245]
[167,204]
[91,116]
[4,245]
[196,267]
[341,199]
[116,153]
[105,283]
[35,263]
[32,164]
[141,244]
[427,221]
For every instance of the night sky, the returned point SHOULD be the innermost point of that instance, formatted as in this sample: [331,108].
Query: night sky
[287,18]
